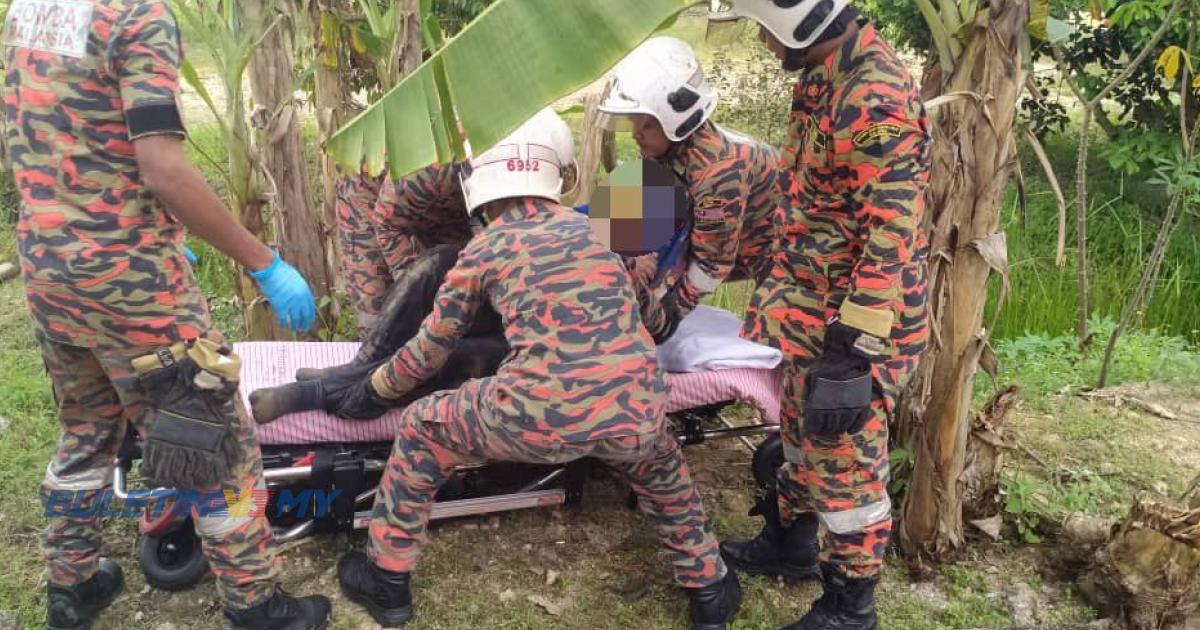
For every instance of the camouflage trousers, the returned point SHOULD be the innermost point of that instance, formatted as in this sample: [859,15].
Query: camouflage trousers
[451,428]
[364,268]
[841,478]
[98,397]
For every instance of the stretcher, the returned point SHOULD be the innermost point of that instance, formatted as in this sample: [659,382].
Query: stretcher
[321,453]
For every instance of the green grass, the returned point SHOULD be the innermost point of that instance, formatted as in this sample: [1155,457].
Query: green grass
[1123,220]
[1044,364]
[26,437]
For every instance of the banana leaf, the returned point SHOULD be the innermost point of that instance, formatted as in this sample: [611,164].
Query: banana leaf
[515,58]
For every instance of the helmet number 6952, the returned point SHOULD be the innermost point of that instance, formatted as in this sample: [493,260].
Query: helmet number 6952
[517,164]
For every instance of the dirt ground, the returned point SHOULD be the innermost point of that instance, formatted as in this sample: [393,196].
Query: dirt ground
[597,566]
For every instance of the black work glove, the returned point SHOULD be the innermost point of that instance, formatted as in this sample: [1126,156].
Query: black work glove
[190,386]
[839,387]
[357,400]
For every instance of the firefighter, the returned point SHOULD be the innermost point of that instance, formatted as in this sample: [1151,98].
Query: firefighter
[845,300]
[96,140]
[661,93]
[581,379]
[384,225]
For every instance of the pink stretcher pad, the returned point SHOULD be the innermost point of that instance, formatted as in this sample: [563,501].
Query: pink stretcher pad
[267,364]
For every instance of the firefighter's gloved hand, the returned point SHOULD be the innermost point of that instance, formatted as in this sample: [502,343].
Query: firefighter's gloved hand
[839,387]
[672,315]
[357,401]
[288,293]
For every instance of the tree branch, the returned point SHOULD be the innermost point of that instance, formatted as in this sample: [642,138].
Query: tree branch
[1060,255]
[1081,233]
[1141,57]
[1170,222]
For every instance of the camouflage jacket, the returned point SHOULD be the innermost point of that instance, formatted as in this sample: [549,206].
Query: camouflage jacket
[102,259]
[732,180]
[857,166]
[581,366]
[419,211]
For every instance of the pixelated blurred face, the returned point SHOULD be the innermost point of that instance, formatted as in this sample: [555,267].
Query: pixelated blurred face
[639,208]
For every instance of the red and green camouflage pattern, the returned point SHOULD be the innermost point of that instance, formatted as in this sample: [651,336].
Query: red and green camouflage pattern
[383,224]
[364,269]
[581,379]
[852,246]
[581,367]
[733,182]
[451,428]
[417,212]
[98,397]
[102,260]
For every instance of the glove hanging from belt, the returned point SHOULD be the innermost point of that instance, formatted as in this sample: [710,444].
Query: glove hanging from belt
[191,386]
[839,386]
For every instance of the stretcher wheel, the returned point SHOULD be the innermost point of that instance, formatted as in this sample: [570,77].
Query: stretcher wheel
[173,561]
[768,457]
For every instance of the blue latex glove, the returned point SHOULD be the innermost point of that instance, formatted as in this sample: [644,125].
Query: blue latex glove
[288,294]
[190,255]
[669,254]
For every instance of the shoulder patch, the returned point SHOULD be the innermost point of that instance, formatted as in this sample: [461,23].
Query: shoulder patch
[878,133]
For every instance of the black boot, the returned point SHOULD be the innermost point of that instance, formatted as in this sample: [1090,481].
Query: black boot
[715,605]
[847,604]
[778,551]
[75,607]
[384,594]
[281,612]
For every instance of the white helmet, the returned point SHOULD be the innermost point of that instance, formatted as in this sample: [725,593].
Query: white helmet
[795,23]
[528,163]
[663,79]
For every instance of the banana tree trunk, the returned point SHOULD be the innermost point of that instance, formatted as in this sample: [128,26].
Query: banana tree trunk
[334,105]
[301,237]
[246,202]
[972,161]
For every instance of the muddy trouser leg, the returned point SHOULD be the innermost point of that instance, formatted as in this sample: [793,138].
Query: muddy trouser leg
[364,269]
[474,357]
[237,543]
[408,303]
[655,469]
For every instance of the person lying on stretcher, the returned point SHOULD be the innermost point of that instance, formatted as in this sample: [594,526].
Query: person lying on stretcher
[479,353]
[580,378]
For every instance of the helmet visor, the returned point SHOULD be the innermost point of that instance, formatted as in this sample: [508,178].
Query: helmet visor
[620,123]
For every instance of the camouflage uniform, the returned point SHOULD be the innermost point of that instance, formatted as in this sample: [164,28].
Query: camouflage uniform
[733,182]
[364,269]
[581,379]
[851,246]
[103,262]
[418,212]
[383,225]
